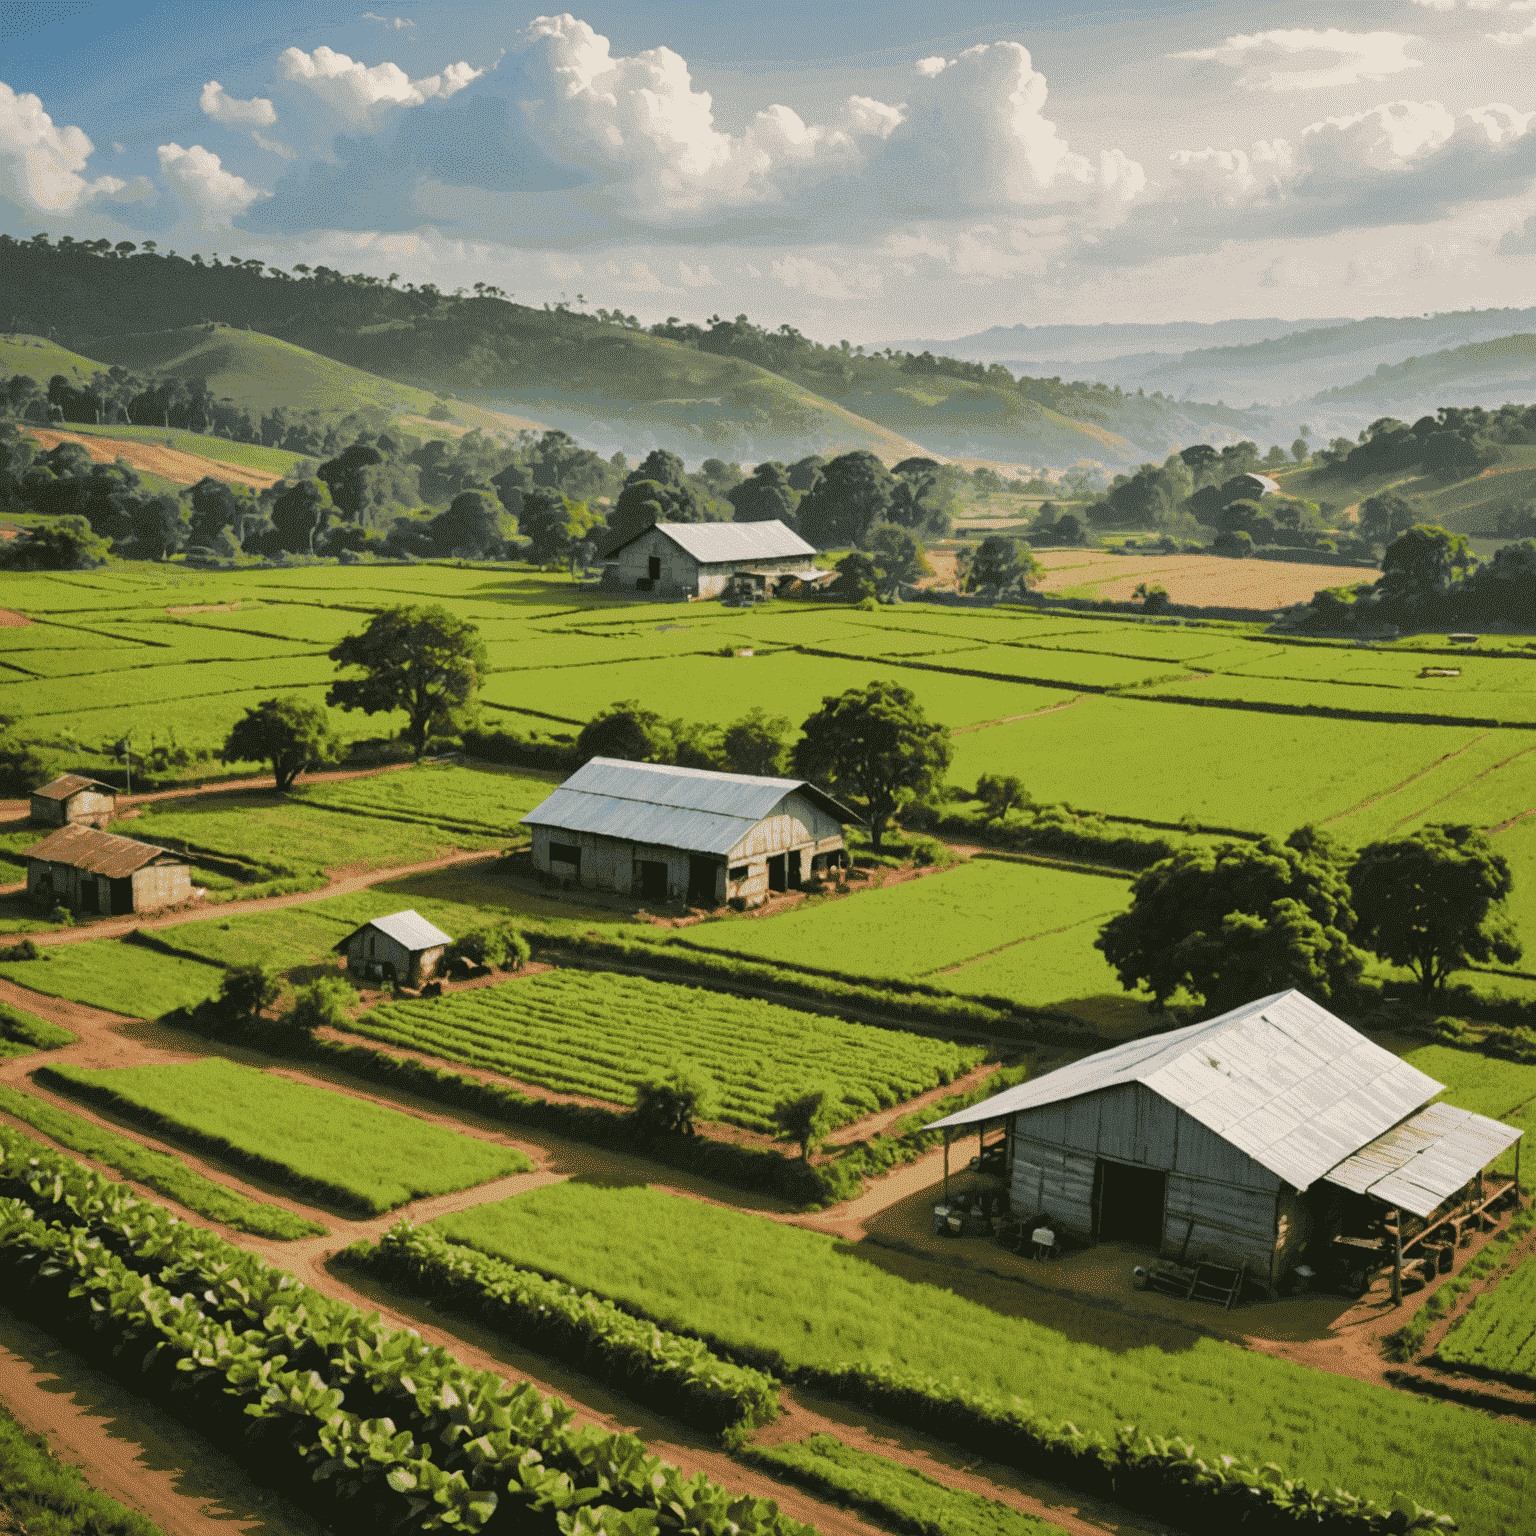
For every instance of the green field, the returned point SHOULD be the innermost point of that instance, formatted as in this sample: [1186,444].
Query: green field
[316,1141]
[116,975]
[1498,1333]
[741,1282]
[602,1035]
[270,461]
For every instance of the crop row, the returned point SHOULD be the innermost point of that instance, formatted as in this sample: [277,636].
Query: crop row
[1497,1335]
[672,1373]
[603,1034]
[373,1426]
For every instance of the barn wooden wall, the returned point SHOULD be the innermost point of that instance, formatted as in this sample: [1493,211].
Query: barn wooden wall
[161,885]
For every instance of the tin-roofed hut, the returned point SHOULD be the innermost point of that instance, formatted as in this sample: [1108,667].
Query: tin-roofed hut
[98,872]
[72,800]
[404,946]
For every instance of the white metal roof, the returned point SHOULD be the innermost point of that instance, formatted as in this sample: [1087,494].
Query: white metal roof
[1422,1162]
[409,929]
[1280,1079]
[728,543]
[688,808]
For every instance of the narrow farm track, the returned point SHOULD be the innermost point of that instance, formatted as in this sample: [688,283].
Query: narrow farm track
[180,1501]
[1412,779]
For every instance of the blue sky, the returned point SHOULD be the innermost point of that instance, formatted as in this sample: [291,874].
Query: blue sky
[874,171]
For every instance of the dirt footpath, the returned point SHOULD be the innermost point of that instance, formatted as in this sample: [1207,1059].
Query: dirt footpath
[173,464]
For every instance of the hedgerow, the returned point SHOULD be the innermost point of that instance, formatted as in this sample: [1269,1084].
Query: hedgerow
[372,1427]
[675,1374]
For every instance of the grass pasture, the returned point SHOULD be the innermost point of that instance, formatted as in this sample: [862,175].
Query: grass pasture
[117,975]
[317,1142]
[740,1282]
[602,1035]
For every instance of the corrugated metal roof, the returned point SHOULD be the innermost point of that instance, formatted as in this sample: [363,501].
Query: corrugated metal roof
[728,543]
[692,809]
[1280,1079]
[68,784]
[1422,1162]
[409,929]
[99,853]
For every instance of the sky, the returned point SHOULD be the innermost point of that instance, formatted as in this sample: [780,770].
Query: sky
[860,170]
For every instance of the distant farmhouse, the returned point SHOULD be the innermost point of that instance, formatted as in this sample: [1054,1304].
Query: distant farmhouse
[665,833]
[91,871]
[69,799]
[404,947]
[1241,1141]
[745,561]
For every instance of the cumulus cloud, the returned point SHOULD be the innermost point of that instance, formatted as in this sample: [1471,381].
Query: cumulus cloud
[1519,241]
[700,277]
[272,146]
[1513,39]
[354,90]
[395,23]
[41,163]
[258,112]
[1271,61]
[213,194]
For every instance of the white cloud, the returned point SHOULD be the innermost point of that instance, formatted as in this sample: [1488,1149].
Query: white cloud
[1513,39]
[213,194]
[258,112]
[400,24]
[643,280]
[40,163]
[810,277]
[354,90]
[934,66]
[700,277]
[272,146]
[1346,57]
[1470,5]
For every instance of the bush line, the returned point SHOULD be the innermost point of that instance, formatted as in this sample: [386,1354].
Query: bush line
[677,1375]
[225,1338]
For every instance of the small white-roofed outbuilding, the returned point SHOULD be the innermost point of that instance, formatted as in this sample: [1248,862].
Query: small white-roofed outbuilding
[683,560]
[404,946]
[1240,1140]
[665,833]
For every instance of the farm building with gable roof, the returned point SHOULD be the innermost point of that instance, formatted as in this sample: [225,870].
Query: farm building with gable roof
[69,799]
[664,833]
[680,560]
[403,946]
[1240,1141]
[90,871]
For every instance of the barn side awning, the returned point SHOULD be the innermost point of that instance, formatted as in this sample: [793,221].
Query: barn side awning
[1423,1161]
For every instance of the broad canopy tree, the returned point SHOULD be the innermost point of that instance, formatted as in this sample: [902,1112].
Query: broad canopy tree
[1433,902]
[875,743]
[1000,564]
[422,660]
[1237,921]
[293,736]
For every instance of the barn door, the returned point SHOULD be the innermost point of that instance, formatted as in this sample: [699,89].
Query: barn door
[653,879]
[88,895]
[1130,1203]
[776,873]
[122,895]
[701,881]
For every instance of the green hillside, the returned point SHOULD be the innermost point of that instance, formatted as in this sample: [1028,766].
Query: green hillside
[41,360]
[1484,373]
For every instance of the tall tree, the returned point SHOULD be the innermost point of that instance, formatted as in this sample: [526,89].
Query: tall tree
[1237,921]
[629,731]
[558,527]
[423,660]
[471,527]
[1001,564]
[853,494]
[758,744]
[1433,902]
[1421,564]
[876,743]
[300,514]
[293,736]
[1384,516]
[765,496]
[898,557]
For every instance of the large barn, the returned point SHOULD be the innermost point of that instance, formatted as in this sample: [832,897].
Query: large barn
[665,833]
[683,560]
[1238,1141]
[91,871]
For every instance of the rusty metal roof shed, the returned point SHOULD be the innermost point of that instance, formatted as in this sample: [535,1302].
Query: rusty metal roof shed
[409,929]
[1280,1079]
[692,809]
[1422,1162]
[68,784]
[728,543]
[100,853]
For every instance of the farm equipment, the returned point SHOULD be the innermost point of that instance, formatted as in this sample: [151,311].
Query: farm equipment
[1205,1281]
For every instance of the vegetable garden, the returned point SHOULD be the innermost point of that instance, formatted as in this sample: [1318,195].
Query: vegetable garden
[1497,1336]
[601,1034]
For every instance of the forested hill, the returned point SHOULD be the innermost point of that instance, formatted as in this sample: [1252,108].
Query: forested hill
[727,388]
[1485,373]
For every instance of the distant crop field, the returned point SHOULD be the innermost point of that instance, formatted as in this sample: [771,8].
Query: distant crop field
[1498,1333]
[741,1282]
[603,1034]
[315,1140]
[1199,580]
[921,927]
[1483,1084]
[469,802]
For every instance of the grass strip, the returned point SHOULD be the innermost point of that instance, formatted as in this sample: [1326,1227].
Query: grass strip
[158,1171]
[30,1033]
[1496,1336]
[43,1496]
[319,1142]
[899,1498]
[666,1371]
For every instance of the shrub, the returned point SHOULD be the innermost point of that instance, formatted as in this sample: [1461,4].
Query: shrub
[325,1002]
[671,1102]
[28,949]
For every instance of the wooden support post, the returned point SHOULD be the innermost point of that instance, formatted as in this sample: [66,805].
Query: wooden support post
[1519,1196]
[1397,1258]
[946,1167]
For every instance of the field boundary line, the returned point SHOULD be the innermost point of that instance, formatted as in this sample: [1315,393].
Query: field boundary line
[1523,752]
[1411,779]
[1049,709]
[1029,938]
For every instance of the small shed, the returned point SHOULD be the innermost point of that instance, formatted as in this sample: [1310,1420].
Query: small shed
[403,946]
[1238,1141]
[71,800]
[91,871]
[688,560]
[664,833]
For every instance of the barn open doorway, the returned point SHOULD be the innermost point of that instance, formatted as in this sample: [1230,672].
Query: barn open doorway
[88,895]
[1129,1202]
[777,878]
[701,881]
[653,879]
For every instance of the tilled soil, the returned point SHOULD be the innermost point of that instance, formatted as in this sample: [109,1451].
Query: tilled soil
[173,464]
